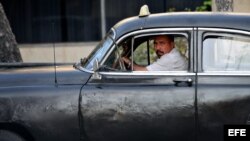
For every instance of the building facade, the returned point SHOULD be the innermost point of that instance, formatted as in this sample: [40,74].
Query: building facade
[241,6]
[46,21]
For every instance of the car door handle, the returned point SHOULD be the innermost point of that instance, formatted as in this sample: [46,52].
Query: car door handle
[183,82]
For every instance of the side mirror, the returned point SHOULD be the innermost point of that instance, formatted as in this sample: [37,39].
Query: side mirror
[96,66]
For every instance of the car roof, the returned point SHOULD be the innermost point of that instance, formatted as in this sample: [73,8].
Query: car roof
[184,19]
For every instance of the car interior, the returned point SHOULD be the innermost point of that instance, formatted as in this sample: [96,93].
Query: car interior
[141,51]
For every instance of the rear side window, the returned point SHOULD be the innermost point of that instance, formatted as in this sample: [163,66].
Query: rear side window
[226,52]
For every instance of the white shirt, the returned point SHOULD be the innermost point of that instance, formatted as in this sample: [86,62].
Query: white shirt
[169,62]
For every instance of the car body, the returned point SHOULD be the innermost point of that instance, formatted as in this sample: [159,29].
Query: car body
[101,99]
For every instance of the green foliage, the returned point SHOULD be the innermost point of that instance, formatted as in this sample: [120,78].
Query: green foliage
[187,9]
[171,9]
[140,54]
[207,6]
[181,43]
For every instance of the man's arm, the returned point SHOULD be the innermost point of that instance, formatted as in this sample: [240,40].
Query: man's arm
[139,68]
[135,66]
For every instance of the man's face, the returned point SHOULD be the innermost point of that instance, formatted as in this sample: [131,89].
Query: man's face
[162,45]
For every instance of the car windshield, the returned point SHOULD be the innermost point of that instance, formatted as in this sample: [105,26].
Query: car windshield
[100,50]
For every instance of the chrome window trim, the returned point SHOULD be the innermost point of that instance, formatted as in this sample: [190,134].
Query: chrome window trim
[224,73]
[155,30]
[85,70]
[149,73]
[114,33]
[142,31]
[138,36]
[225,30]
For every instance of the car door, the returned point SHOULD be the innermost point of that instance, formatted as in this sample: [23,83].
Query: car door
[139,105]
[223,81]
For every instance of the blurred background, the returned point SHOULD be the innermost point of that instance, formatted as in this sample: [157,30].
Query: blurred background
[32,21]
[76,26]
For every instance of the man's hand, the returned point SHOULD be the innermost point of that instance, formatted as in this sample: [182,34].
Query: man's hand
[127,61]
[136,67]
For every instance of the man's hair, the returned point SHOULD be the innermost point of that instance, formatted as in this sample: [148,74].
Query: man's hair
[170,37]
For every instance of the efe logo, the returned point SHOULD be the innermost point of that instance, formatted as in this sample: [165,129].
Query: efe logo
[236,133]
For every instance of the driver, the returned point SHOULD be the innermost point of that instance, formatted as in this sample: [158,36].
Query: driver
[169,58]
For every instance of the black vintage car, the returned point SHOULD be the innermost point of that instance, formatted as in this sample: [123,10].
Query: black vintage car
[101,99]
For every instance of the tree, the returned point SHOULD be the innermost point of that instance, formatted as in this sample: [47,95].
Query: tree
[8,45]
[207,6]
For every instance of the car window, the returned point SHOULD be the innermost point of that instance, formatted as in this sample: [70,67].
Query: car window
[145,53]
[141,51]
[114,61]
[228,52]
[100,50]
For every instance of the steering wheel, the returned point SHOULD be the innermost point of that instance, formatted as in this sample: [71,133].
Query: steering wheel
[119,64]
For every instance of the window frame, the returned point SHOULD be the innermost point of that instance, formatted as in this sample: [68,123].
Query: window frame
[155,34]
[149,32]
[219,32]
